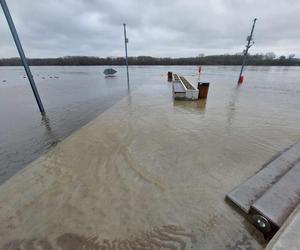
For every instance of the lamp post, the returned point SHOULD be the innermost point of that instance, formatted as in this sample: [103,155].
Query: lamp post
[22,55]
[126,56]
[250,42]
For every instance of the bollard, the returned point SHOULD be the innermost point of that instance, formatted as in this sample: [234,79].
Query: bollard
[203,89]
[241,79]
[170,76]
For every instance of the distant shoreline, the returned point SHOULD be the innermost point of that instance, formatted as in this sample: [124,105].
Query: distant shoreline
[110,65]
[225,60]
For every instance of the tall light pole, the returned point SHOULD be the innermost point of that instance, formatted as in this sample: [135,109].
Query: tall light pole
[250,42]
[126,56]
[22,55]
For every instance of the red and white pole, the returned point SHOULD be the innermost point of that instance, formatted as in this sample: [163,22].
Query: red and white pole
[199,70]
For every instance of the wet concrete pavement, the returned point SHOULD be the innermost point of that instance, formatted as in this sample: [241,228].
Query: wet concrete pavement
[148,173]
[288,235]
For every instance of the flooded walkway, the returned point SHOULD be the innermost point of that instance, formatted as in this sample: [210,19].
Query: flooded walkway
[148,173]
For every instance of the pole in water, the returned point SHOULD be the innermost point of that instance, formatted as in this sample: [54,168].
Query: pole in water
[22,54]
[250,42]
[199,72]
[126,56]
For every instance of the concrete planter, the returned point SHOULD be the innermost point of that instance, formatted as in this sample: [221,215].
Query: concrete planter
[191,93]
[183,89]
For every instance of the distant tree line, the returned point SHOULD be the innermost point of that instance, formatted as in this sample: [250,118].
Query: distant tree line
[268,59]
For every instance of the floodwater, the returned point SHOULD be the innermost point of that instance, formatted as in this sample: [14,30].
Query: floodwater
[181,160]
[72,96]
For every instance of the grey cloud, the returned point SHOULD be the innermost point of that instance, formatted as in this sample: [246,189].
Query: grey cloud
[158,28]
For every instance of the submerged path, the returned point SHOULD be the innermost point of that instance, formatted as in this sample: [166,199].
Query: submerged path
[143,175]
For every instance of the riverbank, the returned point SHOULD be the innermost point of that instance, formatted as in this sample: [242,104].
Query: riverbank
[236,59]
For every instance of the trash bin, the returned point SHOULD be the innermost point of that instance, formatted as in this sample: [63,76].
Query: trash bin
[203,89]
[170,76]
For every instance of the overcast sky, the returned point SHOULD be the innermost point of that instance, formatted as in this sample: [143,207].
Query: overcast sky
[175,28]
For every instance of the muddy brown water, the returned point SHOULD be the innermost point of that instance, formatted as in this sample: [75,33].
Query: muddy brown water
[137,201]
[166,237]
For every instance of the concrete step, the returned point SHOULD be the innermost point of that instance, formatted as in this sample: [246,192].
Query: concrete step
[253,188]
[288,235]
[270,211]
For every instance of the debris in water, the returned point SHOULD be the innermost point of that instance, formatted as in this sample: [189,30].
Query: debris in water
[109,72]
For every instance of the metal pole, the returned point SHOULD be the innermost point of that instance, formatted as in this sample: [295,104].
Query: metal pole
[126,56]
[249,39]
[22,54]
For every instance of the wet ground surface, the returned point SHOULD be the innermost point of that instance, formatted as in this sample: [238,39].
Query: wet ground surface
[152,173]
[72,97]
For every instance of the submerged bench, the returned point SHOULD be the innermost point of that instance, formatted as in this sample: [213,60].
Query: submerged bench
[191,92]
[178,88]
[176,77]
[183,89]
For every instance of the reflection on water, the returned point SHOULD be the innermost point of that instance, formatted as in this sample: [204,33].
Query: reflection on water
[72,96]
[49,135]
[108,77]
[233,101]
[45,121]
[194,106]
